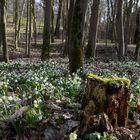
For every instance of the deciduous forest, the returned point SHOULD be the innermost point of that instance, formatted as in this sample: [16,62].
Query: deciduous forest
[69,70]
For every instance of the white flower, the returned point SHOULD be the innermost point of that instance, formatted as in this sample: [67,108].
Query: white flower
[24,95]
[1,100]
[73,136]
[10,98]
[4,97]
[30,97]
[35,104]
[1,83]
[39,100]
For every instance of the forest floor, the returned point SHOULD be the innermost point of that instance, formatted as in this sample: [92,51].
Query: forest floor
[104,53]
[32,82]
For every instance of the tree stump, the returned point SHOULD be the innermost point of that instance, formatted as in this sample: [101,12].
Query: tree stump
[105,105]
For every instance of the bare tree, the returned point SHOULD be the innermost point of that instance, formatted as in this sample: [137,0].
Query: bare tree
[91,47]
[52,23]
[127,24]
[69,26]
[34,21]
[76,50]
[27,26]
[120,29]
[57,28]
[3,31]
[30,28]
[46,31]
[16,17]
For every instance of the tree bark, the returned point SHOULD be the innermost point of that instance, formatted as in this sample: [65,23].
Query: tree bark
[34,22]
[19,22]
[114,10]
[127,25]
[137,36]
[16,18]
[120,29]
[27,27]
[30,28]
[69,27]
[46,31]
[76,39]
[52,23]
[105,105]
[57,28]
[91,47]
[3,31]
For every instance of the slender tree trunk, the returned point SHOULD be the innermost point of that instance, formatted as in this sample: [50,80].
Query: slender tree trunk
[76,50]
[19,22]
[46,31]
[3,31]
[120,29]
[34,22]
[0,37]
[52,23]
[69,27]
[133,23]
[57,28]
[30,28]
[64,19]
[114,10]
[107,24]
[91,47]
[127,25]
[27,27]
[16,23]
[137,37]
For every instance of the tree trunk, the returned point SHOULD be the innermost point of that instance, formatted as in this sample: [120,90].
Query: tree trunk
[34,22]
[3,31]
[133,22]
[30,28]
[0,38]
[46,31]
[114,10]
[137,36]
[64,19]
[16,23]
[57,28]
[91,47]
[105,105]
[120,29]
[19,22]
[27,27]
[127,25]
[52,23]
[69,27]
[76,39]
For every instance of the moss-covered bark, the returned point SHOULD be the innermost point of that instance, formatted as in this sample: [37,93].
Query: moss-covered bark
[46,30]
[3,31]
[105,104]
[76,50]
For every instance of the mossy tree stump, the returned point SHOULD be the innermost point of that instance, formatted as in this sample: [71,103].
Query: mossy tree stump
[105,105]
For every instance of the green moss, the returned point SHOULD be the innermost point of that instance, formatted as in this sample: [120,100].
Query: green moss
[111,80]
